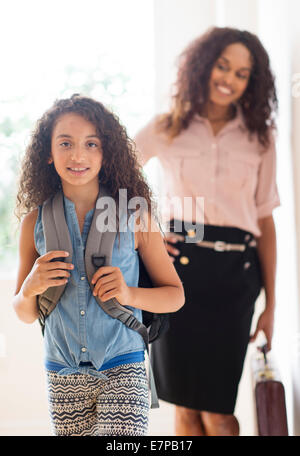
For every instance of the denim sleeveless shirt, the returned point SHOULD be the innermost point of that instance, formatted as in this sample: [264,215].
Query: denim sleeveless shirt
[79,336]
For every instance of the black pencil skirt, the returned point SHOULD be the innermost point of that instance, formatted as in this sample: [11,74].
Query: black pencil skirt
[198,363]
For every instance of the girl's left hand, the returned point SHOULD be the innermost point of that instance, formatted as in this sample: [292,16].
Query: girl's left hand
[109,283]
[266,324]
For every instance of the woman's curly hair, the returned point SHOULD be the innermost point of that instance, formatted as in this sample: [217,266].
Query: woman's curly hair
[259,101]
[120,170]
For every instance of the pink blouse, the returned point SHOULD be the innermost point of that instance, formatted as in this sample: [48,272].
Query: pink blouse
[229,172]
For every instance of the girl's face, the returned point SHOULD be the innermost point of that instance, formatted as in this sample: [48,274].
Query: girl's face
[230,75]
[76,150]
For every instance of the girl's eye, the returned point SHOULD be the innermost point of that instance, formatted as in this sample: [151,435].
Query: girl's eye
[92,145]
[65,144]
[242,76]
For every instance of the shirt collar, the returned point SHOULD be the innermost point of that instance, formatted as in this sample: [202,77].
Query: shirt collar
[70,204]
[237,122]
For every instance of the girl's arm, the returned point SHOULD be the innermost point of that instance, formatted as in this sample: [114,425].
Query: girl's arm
[266,247]
[36,273]
[167,294]
[25,304]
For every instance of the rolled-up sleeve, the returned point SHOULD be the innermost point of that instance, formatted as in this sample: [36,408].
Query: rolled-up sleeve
[267,197]
[145,143]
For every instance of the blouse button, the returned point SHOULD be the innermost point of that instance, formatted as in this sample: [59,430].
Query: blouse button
[82,312]
[184,260]
[191,233]
[82,278]
[247,265]
[83,349]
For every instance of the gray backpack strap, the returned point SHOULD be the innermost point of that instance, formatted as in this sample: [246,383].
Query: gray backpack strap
[99,247]
[57,237]
[98,252]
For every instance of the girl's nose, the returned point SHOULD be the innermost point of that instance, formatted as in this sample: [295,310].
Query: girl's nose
[77,153]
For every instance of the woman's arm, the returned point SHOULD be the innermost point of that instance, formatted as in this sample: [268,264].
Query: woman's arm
[266,247]
[145,141]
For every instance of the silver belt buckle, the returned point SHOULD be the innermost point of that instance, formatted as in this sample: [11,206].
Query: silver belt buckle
[220,246]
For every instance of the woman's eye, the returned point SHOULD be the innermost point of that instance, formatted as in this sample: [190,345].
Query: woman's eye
[242,76]
[221,67]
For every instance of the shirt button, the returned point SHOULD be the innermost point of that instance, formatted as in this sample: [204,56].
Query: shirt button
[83,349]
[82,278]
[82,312]
[247,265]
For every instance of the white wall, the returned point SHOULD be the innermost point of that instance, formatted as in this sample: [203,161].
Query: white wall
[176,22]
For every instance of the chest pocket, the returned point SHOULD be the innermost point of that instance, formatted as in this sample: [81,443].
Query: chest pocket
[242,171]
[195,172]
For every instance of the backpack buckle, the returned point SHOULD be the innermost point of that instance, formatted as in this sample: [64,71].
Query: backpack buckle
[130,322]
[98,260]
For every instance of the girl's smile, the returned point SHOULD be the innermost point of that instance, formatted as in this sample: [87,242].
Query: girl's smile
[78,171]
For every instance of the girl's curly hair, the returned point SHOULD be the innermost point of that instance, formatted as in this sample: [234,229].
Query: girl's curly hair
[120,170]
[259,101]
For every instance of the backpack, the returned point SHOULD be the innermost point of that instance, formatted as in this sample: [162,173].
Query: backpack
[98,252]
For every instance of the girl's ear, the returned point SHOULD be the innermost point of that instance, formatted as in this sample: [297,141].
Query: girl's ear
[50,161]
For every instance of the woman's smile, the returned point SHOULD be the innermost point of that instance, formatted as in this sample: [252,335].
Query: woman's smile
[223,89]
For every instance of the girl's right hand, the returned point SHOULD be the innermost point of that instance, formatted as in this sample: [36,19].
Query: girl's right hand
[172,238]
[45,273]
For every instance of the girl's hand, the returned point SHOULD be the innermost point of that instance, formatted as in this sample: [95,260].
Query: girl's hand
[109,283]
[46,272]
[266,324]
[171,238]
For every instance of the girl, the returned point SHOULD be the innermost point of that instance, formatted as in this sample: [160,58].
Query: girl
[95,365]
[216,142]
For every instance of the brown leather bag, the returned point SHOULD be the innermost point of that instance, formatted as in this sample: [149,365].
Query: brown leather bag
[269,396]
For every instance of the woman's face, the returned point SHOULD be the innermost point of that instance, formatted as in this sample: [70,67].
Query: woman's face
[76,144]
[230,75]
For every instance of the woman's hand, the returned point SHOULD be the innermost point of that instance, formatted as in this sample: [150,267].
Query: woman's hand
[265,323]
[109,283]
[171,238]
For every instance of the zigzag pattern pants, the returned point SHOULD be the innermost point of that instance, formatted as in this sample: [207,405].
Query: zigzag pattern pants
[81,404]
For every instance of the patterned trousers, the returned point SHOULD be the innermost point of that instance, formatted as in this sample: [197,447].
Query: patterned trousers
[81,404]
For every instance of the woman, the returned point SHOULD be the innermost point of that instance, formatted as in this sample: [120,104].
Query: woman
[216,142]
